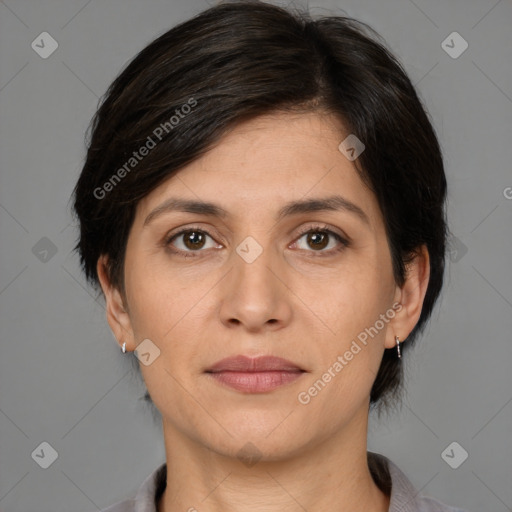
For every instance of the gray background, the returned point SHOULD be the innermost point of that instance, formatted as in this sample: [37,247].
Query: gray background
[63,379]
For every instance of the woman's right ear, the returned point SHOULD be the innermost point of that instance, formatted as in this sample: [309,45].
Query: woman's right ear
[117,315]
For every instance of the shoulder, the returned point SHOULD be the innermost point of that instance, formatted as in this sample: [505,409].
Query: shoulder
[403,495]
[428,504]
[147,495]
[121,506]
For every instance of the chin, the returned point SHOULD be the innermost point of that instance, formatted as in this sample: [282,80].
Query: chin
[271,435]
[252,448]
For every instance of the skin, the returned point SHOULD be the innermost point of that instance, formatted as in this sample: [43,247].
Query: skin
[296,300]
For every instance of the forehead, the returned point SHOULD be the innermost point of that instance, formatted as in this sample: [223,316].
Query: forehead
[278,142]
[266,162]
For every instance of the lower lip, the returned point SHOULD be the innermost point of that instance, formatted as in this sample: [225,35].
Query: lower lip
[256,382]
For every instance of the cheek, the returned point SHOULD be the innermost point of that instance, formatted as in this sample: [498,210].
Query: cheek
[162,298]
[353,309]
[349,298]
[169,308]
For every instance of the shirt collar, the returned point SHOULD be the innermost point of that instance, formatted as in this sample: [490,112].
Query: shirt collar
[386,474]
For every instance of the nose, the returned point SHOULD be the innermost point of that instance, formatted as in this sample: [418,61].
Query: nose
[255,296]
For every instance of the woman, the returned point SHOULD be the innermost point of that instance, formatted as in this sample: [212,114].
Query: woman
[262,204]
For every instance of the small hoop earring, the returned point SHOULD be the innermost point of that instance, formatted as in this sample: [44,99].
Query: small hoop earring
[123,348]
[399,353]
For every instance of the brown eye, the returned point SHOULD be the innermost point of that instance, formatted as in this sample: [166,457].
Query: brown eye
[193,240]
[323,241]
[190,240]
[317,240]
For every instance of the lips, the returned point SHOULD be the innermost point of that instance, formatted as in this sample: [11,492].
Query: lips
[254,375]
[255,364]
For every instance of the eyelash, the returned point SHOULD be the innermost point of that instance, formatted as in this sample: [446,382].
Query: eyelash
[343,243]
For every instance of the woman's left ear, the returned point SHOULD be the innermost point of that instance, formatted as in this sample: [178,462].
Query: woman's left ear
[410,296]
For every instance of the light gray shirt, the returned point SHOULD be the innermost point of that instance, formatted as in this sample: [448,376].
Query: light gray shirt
[389,478]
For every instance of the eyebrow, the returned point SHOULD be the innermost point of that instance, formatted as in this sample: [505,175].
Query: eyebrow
[332,203]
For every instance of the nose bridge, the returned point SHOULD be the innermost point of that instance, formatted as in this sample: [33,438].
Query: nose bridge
[253,262]
[254,296]
[252,273]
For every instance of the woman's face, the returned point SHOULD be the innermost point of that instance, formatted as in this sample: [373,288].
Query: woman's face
[251,283]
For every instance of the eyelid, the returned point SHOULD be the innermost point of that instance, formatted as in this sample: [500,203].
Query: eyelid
[210,231]
[323,227]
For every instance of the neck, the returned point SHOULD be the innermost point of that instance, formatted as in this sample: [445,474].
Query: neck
[332,474]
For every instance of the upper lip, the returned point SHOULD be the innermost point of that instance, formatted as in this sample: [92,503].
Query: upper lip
[254,364]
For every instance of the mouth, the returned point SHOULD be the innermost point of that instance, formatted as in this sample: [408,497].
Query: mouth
[255,375]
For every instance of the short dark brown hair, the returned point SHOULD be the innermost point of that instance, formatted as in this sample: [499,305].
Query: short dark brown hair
[243,59]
